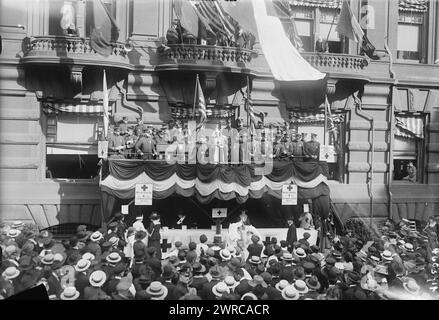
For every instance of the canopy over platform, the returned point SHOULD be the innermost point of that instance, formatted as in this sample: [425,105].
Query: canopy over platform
[207,182]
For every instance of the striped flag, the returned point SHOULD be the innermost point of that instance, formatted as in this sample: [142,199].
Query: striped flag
[201,103]
[348,24]
[212,12]
[105,105]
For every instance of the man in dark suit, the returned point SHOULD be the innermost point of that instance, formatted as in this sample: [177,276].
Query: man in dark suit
[154,234]
[255,248]
[206,292]
[292,234]
[199,279]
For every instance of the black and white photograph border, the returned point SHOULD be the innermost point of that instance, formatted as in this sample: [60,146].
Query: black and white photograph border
[219,151]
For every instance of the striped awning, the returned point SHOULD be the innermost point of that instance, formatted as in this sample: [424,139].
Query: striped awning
[317,3]
[73,108]
[410,127]
[308,117]
[413,5]
[404,5]
[187,113]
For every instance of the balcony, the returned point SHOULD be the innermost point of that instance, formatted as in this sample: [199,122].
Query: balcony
[191,57]
[72,51]
[341,66]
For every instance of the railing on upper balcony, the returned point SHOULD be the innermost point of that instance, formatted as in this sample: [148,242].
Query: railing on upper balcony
[213,54]
[336,62]
[72,47]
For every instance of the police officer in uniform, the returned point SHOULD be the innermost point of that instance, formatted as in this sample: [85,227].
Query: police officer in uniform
[311,149]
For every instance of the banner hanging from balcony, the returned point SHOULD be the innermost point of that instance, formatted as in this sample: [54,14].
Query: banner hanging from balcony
[260,18]
[85,109]
[221,181]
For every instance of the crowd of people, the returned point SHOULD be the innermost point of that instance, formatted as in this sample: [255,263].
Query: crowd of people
[141,141]
[117,262]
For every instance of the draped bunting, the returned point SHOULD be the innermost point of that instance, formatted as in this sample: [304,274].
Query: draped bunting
[303,193]
[210,181]
[242,174]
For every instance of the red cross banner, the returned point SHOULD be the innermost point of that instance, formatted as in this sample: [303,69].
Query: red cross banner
[143,196]
[103,149]
[289,194]
[219,212]
[327,153]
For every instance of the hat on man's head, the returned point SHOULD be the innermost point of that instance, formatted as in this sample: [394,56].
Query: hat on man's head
[69,293]
[225,254]
[157,291]
[113,258]
[48,259]
[82,265]
[255,260]
[97,278]
[154,216]
[13,233]
[198,268]
[11,273]
[313,283]
[220,288]
[96,236]
[290,293]
[282,284]
[257,280]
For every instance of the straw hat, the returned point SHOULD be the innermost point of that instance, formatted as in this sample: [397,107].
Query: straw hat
[411,286]
[88,256]
[257,280]
[230,282]
[113,257]
[82,265]
[300,286]
[157,291]
[13,233]
[220,288]
[290,293]
[387,255]
[282,285]
[96,236]
[48,259]
[287,256]
[249,295]
[98,278]
[300,253]
[409,247]
[17,224]
[11,273]
[255,260]
[225,254]
[69,293]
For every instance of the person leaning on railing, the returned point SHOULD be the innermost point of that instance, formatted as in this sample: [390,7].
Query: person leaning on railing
[145,147]
[116,144]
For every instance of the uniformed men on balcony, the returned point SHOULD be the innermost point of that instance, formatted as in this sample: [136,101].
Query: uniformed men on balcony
[311,149]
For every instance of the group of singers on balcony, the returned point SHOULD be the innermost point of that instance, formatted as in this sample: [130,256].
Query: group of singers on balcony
[221,145]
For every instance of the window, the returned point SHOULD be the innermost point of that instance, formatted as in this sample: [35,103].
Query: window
[328,26]
[71,141]
[408,148]
[411,36]
[305,122]
[303,18]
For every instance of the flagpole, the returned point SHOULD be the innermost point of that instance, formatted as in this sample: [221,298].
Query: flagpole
[326,120]
[246,101]
[195,96]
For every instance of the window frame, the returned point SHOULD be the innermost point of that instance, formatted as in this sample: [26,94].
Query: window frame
[421,150]
[45,124]
[419,19]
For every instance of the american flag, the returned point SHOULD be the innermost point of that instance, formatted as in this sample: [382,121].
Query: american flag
[201,103]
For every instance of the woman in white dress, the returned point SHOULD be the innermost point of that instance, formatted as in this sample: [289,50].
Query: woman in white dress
[240,233]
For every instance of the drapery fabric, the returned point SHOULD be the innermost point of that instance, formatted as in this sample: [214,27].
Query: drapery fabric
[209,181]
[243,174]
